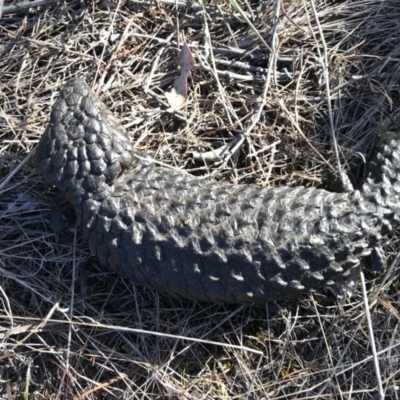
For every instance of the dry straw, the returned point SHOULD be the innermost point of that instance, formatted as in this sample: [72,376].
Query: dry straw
[309,98]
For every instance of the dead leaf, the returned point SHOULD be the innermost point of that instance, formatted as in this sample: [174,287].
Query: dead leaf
[177,96]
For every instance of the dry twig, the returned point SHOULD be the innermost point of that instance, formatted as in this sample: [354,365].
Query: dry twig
[120,341]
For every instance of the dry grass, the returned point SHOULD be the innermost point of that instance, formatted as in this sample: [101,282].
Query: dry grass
[72,331]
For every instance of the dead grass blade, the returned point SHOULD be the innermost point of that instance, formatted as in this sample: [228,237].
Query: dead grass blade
[72,330]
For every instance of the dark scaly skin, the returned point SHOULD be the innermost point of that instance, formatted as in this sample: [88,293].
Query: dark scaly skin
[202,239]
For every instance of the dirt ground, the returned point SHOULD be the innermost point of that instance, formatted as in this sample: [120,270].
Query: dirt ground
[291,91]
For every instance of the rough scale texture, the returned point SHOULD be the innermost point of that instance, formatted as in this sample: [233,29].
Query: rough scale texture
[202,239]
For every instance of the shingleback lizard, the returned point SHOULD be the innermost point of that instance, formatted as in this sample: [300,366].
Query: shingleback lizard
[202,239]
